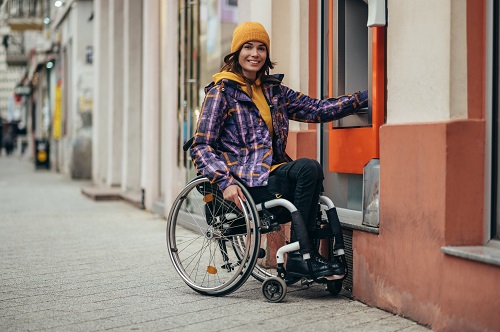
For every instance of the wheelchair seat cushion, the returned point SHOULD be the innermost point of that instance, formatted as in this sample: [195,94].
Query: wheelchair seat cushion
[276,188]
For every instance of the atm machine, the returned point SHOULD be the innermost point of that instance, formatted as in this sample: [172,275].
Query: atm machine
[354,60]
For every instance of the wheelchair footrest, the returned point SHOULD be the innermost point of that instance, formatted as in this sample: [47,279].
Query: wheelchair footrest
[323,233]
[269,228]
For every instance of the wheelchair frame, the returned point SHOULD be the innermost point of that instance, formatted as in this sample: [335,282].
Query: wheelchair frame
[222,249]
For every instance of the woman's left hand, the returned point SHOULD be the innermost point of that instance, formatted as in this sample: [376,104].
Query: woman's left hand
[363,99]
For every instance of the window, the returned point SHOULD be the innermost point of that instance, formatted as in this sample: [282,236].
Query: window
[349,66]
[205,35]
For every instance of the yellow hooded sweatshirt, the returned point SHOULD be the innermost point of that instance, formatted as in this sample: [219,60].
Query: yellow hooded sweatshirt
[257,95]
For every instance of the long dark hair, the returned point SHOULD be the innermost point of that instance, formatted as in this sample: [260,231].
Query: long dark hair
[232,65]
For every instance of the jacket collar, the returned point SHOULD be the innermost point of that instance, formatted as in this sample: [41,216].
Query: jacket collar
[233,88]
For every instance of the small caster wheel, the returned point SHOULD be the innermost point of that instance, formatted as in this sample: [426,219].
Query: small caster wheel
[274,289]
[334,286]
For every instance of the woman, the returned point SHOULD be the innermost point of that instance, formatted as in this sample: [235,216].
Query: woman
[243,127]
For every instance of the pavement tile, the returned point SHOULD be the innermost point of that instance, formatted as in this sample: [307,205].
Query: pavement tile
[72,264]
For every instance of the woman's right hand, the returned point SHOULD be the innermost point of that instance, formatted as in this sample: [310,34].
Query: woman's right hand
[232,192]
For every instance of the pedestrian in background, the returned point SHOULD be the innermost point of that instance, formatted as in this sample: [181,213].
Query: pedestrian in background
[9,137]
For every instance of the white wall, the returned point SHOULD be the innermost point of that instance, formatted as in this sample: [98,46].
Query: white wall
[76,33]
[101,91]
[286,22]
[151,99]
[426,43]
[172,182]
[132,78]
[115,97]
[83,73]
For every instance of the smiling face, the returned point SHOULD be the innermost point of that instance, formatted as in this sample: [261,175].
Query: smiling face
[252,57]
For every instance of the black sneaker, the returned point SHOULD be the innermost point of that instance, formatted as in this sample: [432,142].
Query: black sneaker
[297,267]
[336,263]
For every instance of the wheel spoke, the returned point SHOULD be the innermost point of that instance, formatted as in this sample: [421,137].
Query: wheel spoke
[200,232]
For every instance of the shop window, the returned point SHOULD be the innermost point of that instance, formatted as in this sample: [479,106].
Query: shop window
[204,39]
[353,60]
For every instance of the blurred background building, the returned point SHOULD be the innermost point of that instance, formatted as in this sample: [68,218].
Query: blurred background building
[110,90]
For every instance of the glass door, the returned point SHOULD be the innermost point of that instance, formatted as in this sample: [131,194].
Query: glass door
[189,72]
[205,34]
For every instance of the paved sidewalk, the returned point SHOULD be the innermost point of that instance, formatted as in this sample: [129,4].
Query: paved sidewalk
[72,264]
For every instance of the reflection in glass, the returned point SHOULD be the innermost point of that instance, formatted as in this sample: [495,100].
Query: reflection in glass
[204,39]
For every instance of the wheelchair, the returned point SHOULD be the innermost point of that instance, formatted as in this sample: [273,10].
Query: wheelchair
[215,247]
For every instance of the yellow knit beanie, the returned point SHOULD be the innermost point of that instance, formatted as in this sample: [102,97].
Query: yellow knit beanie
[249,31]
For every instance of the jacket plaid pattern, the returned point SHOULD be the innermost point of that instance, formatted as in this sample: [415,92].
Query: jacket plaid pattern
[233,141]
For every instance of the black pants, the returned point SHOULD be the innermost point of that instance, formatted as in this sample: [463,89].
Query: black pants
[303,180]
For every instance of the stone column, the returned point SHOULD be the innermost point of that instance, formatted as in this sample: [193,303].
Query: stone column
[132,79]
[115,98]
[172,182]
[101,92]
[150,160]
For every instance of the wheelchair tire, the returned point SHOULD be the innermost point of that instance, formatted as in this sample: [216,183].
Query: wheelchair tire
[274,289]
[265,266]
[270,241]
[334,287]
[201,230]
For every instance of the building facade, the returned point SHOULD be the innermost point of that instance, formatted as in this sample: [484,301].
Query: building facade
[431,253]
[414,176]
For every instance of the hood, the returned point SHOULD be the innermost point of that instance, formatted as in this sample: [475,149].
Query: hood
[231,77]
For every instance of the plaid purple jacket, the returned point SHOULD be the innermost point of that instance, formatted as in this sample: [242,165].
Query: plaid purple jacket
[232,139]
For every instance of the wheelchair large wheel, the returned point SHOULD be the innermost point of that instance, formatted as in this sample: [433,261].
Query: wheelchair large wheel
[270,242]
[202,228]
[265,267]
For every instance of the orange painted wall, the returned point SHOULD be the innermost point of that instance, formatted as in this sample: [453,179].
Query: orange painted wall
[431,196]
[302,144]
[476,48]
